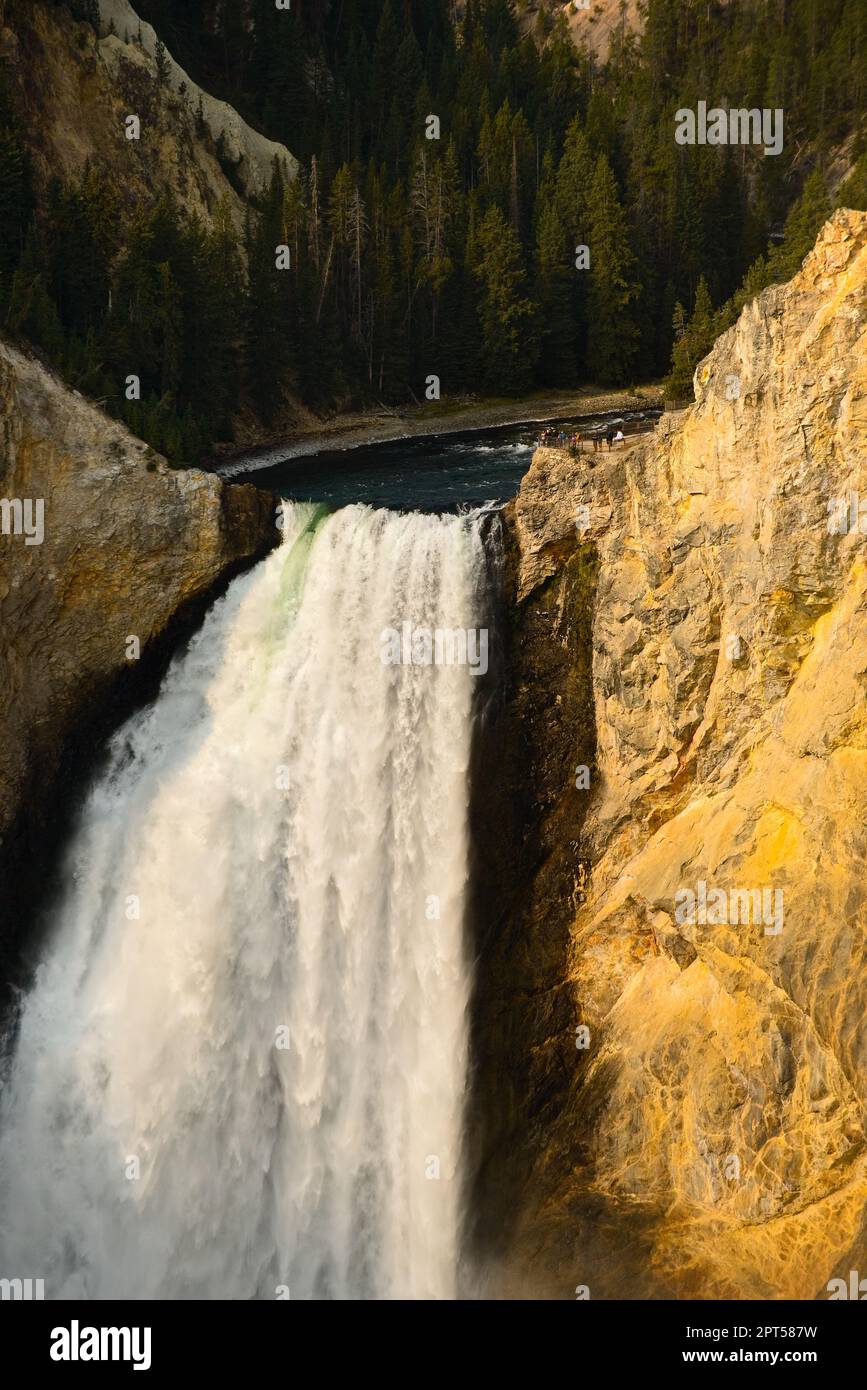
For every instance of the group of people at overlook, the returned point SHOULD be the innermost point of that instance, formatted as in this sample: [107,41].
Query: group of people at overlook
[574,442]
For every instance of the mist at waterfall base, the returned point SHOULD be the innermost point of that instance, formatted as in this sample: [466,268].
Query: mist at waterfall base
[240,1071]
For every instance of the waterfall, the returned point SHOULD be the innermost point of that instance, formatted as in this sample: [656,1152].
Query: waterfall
[240,1071]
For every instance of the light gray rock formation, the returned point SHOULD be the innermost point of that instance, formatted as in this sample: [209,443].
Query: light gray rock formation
[125,38]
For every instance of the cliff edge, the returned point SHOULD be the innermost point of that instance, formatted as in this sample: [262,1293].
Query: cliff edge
[106,554]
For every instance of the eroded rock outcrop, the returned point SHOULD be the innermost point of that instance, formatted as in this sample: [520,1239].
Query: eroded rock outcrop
[594,25]
[130,548]
[126,38]
[73,93]
[709,1141]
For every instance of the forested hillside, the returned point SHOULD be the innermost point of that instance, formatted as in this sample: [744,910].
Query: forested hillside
[455,256]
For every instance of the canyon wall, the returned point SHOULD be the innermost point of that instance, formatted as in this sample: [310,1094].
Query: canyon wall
[130,554]
[675,1100]
[74,91]
[128,39]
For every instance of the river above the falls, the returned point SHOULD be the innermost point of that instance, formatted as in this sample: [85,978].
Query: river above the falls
[430,473]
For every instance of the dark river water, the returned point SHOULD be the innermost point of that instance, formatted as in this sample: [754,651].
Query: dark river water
[432,473]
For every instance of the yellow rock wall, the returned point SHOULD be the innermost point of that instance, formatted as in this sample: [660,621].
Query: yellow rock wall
[712,1142]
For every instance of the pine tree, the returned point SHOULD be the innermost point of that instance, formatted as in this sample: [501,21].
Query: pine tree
[212,298]
[162,63]
[571,196]
[803,223]
[16,199]
[32,312]
[612,335]
[268,311]
[385,52]
[82,237]
[554,293]
[692,342]
[505,313]
[853,192]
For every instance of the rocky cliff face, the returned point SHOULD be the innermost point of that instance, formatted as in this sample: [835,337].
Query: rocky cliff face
[595,24]
[681,992]
[105,555]
[128,39]
[75,91]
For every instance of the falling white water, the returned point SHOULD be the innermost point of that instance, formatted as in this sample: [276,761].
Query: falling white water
[261,864]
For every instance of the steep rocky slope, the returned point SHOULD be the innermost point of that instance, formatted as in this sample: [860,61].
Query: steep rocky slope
[74,92]
[127,549]
[709,1138]
[126,38]
[594,25]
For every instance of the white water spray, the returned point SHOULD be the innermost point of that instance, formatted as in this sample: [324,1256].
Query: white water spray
[241,1068]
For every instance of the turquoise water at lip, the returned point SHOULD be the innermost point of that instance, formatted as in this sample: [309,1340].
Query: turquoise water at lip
[434,473]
